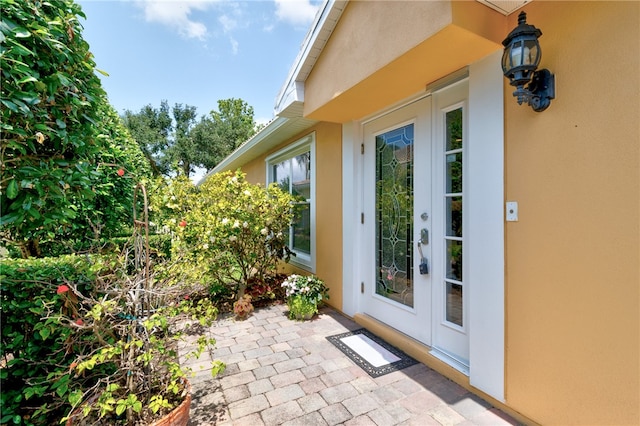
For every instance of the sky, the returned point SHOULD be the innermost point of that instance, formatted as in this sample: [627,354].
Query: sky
[195,52]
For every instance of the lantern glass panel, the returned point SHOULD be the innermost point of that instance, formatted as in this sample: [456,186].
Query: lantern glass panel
[521,53]
[524,52]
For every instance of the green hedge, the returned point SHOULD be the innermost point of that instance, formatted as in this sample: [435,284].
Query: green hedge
[159,244]
[32,347]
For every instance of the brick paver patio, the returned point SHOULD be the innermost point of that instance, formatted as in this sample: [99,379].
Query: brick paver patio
[285,372]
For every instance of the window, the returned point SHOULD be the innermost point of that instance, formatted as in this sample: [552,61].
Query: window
[293,169]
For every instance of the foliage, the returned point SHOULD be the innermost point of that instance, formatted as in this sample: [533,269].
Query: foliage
[136,345]
[151,129]
[227,230]
[60,139]
[220,133]
[309,287]
[183,153]
[83,334]
[304,293]
[33,348]
[175,142]
[301,308]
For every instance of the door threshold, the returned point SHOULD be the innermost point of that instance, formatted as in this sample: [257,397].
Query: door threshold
[451,360]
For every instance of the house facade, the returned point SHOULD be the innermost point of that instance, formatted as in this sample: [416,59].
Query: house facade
[496,244]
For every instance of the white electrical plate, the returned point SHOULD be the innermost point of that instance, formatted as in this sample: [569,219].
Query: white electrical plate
[512,211]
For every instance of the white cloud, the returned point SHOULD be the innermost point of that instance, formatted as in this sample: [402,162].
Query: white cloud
[228,23]
[234,45]
[176,15]
[296,12]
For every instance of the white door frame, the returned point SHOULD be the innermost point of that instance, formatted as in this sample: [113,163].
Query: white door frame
[485,207]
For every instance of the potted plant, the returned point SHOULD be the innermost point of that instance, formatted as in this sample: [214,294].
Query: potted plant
[304,294]
[127,332]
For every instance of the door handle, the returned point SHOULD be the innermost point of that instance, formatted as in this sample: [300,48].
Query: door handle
[424,263]
[424,236]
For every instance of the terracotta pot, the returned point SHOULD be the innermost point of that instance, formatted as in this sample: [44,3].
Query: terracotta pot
[179,416]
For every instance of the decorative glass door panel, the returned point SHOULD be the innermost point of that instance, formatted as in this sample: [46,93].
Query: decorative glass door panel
[394,214]
[397,184]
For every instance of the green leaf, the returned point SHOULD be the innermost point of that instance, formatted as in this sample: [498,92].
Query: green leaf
[10,218]
[62,389]
[61,124]
[45,333]
[12,189]
[27,79]
[12,106]
[22,33]
[75,397]
[120,408]
[34,213]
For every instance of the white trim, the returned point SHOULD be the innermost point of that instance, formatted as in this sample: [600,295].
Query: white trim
[291,150]
[352,206]
[506,7]
[325,21]
[449,338]
[306,143]
[485,234]
[243,149]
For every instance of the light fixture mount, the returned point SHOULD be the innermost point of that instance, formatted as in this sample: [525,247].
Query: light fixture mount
[520,61]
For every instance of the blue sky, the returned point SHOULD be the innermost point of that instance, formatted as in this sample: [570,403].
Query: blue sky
[196,52]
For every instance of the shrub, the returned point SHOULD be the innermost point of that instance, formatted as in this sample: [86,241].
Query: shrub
[33,348]
[232,230]
[62,142]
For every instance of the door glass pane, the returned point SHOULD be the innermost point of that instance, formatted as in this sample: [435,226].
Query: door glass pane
[454,216]
[394,214]
[453,284]
[454,303]
[454,173]
[454,129]
[454,260]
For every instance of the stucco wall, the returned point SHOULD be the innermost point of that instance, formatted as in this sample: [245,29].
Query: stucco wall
[328,203]
[384,51]
[572,258]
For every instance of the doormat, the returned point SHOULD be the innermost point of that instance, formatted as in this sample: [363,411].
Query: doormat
[369,352]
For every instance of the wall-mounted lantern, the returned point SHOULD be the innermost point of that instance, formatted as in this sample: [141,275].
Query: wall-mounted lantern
[520,61]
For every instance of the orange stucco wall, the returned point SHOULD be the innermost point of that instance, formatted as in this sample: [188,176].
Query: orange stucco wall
[328,203]
[384,51]
[572,274]
[572,259]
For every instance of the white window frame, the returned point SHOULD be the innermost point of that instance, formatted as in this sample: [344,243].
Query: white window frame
[307,143]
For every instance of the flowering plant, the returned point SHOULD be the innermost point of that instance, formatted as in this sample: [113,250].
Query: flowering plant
[304,293]
[309,287]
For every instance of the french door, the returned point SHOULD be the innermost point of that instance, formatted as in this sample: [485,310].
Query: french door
[413,196]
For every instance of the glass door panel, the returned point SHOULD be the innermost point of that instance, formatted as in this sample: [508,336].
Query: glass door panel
[394,215]
[453,282]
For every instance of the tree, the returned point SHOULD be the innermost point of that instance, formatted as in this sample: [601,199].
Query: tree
[165,137]
[151,128]
[175,143]
[220,133]
[55,127]
[183,152]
